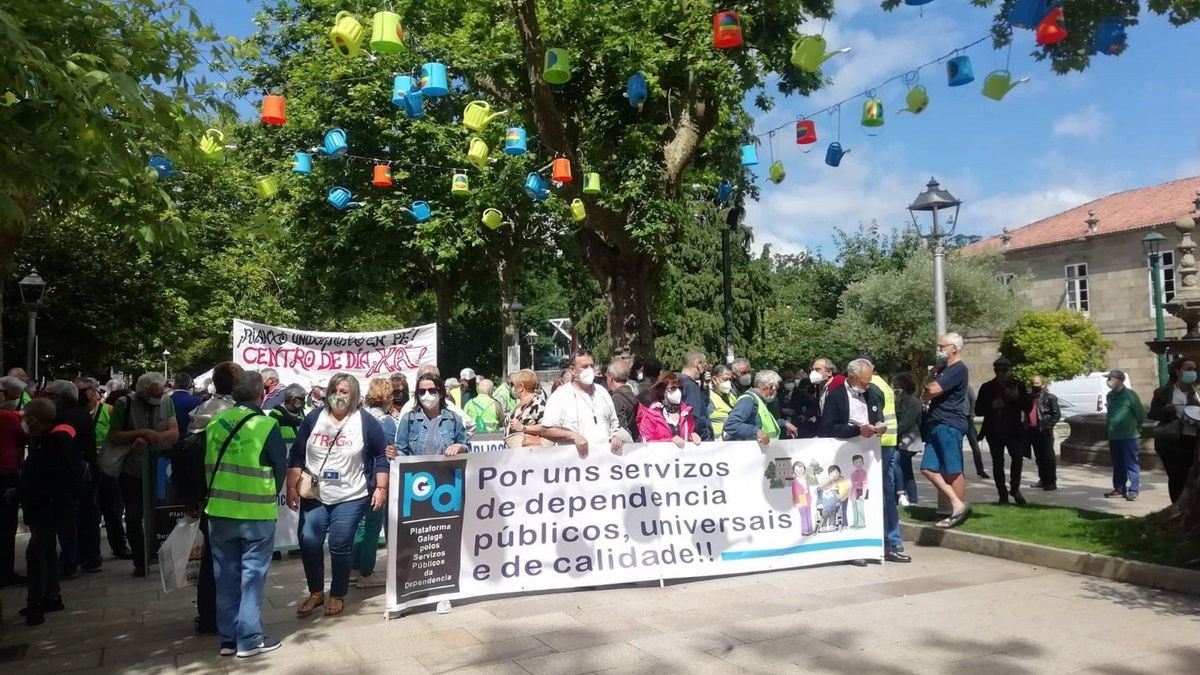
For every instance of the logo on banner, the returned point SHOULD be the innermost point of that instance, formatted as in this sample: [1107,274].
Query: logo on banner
[432,493]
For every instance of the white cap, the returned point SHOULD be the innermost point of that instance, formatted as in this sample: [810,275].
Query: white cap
[467,374]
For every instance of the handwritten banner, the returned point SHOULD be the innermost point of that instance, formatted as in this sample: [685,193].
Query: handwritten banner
[534,519]
[307,356]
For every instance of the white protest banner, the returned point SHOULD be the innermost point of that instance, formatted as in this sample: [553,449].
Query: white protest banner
[306,356]
[536,519]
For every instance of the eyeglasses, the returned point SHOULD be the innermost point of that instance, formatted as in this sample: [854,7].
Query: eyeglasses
[427,391]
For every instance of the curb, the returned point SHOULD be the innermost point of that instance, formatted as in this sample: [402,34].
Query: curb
[1162,577]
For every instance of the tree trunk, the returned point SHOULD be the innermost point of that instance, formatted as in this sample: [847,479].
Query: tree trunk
[1189,504]
[628,279]
[443,290]
[10,239]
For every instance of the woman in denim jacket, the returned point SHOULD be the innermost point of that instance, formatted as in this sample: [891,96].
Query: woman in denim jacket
[413,435]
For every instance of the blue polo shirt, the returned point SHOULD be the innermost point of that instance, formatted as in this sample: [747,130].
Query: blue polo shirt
[951,407]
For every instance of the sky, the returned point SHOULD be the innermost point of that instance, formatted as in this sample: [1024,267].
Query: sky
[1051,144]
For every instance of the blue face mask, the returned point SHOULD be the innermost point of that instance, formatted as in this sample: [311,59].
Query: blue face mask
[1187,377]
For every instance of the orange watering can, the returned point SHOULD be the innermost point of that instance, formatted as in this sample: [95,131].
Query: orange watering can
[274,110]
[478,114]
[383,176]
[561,172]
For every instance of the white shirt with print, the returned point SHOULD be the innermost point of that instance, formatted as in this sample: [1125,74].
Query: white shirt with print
[344,477]
[592,416]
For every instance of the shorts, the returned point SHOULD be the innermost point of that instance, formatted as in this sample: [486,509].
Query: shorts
[943,450]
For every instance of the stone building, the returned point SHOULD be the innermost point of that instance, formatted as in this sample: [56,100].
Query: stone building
[1091,259]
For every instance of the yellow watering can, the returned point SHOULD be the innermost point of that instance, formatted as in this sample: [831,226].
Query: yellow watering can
[212,145]
[997,84]
[917,100]
[493,218]
[808,52]
[777,173]
[578,213]
[591,184]
[266,187]
[387,37]
[478,152]
[477,114]
[347,35]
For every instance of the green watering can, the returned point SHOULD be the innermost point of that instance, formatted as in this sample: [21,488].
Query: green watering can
[998,83]
[808,53]
[776,173]
[917,100]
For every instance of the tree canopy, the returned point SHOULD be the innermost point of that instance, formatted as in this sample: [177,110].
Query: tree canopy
[1057,345]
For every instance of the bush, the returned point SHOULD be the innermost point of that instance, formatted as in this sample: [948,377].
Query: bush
[1057,345]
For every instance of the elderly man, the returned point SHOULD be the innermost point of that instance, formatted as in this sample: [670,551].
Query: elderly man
[1003,404]
[743,375]
[272,388]
[483,409]
[624,396]
[21,376]
[582,413]
[694,394]
[79,539]
[825,378]
[108,493]
[142,422]
[750,419]
[947,421]
[1044,413]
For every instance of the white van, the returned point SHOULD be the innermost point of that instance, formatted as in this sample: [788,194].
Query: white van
[1085,394]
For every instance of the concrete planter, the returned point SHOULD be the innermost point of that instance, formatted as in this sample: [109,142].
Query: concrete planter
[1088,443]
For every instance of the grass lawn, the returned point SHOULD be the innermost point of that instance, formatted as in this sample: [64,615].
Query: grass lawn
[1075,529]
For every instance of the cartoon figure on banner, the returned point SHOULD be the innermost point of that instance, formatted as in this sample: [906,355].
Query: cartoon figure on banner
[858,488]
[801,498]
[833,500]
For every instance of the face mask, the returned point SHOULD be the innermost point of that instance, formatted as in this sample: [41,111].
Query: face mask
[674,397]
[789,386]
[942,357]
[726,386]
[1188,377]
[586,376]
[1111,384]
[1035,389]
[816,377]
[770,399]
[338,402]
[399,398]
[428,400]
[745,380]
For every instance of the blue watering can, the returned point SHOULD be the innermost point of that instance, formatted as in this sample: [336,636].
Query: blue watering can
[335,143]
[302,163]
[339,198]
[514,141]
[536,186]
[635,90]
[1109,38]
[959,71]
[414,105]
[749,155]
[834,154]
[1028,13]
[163,167]
[724,191]
[402,88]
[420,211]
[433,79]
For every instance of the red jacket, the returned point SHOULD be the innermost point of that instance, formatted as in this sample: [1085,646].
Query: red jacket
[12,441]
[653,427]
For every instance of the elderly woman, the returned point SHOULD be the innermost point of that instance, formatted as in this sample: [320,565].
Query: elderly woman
[483,409]
[667,418]
[378,398]
[524,421]
[366,535]
[1174,438]
[341,447]
[430,428]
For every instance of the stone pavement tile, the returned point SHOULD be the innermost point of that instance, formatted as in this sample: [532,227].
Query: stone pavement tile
[585,660]
[617,613]
[1183,660]
[162,665]
[1066,653]
[990,664]
[771,628]
[528,625]
[491,652]
[701,664]
[685,644]
[60,663]
[515,608]
[882,659]
[288,661]
[956,640]
[385,647]
[774,656]
[594,635]
[713,615]
[502,668]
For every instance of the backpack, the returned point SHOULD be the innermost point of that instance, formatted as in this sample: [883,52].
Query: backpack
[187,468]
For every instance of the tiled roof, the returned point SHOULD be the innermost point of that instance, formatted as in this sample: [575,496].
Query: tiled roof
[1130,210]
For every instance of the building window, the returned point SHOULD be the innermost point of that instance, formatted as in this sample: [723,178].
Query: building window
[1078,297]
[1167,279]
[1005,279]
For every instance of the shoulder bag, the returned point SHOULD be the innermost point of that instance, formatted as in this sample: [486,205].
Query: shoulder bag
[309,486]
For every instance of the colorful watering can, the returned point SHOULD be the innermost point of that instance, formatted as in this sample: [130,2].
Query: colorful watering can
[561,171]
[727,30]
[420,211]
[591,184]
[514,141]
[1051,30]
[806,132]
[834,154]
[339,198]
[535,186]
[274,110]
[578,212]
[998,83]
[917,100]
[383,176]
[402,88]
[776,173]
[302,163]
[460,185]
[414,105]
[212,145]
[266,187]
[347,35]
[959,71]
[808,52]
[335,143]
[1028,13]
[872,115]
[493,218]
[476,115]
[161,166]
[749,155]
[387,37]
[1110,38]
[433,79]
[635,90]
[558,66]
[724,191]
[477,153]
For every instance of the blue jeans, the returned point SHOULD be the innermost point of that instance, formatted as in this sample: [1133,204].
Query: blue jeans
[908,481]
[241,551]
[1126,468]
[337,522]
[891,515]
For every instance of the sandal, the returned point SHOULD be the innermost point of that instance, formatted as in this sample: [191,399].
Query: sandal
[313,601]
[335,607]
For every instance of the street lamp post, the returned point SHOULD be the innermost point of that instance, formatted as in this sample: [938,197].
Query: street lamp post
[1152,243]
[33,295]
[531,337]
[932,200]
[166,355]
[512,364]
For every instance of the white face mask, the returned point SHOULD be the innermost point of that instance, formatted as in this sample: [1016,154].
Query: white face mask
[816,377]
[725,386]
[428,400]
[788,386]
[674,397]
[586,376]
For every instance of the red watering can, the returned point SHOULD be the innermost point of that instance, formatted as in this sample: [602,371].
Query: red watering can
[727,30]
[383,176]
[274,110]
[561,172]
[1051,30]
[806,132]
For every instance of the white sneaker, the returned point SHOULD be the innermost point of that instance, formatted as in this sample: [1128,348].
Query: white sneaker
[372,581]
[266,645]
[904,500]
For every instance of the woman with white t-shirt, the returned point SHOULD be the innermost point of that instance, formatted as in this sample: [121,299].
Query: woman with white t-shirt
[343,446]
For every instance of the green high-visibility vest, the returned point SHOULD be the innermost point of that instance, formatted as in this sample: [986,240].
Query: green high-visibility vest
[288,424]
[242,488]
[766,421]
[888,439]
[482,409]
[103,419]
[720,411]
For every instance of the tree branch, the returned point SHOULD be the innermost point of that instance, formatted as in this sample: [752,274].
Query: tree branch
[698,117]
[547,118]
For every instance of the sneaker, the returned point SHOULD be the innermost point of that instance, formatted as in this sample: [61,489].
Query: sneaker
[984,475]
[265,645]
[1131,497]
[1115,493]
[903,500]
[228,649]
[1018,498]
[372,581]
